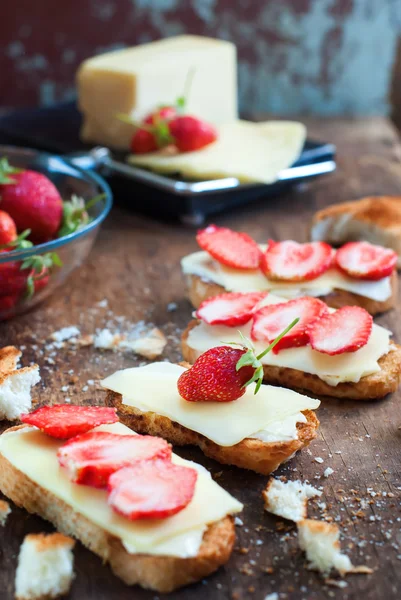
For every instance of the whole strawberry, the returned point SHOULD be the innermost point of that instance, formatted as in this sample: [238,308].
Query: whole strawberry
[33,201]
[190,133]
[8,229]
[214,378]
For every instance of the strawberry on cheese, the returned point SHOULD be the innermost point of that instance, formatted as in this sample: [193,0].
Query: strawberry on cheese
[91,458]
[290,261]
[232,309]
[271,320]
[233,249]
[345,330]
[366,261]
[151,490]
[64,421]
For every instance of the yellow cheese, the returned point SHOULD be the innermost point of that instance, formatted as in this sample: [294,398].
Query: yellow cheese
[34,454]
[154,388]
[234,280]
[137,80]
[250,152]
[350,366]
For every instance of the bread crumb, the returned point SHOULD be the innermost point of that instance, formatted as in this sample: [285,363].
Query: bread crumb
[288,499]
[5,510]
[239,522]
[45,567]
[329,471]
[273,596]
[65,333]
[319,460]
[150,345]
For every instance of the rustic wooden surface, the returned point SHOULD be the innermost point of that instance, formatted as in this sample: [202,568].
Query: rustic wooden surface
[135,266]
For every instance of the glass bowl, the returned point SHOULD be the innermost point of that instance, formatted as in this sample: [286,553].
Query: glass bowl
[72,250]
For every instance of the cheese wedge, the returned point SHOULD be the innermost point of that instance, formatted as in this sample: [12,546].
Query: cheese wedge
[154,389]
[250,152]
[234,280]
[135,81]
[350,366]
[35,454]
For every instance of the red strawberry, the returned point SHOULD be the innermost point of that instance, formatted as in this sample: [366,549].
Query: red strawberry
[34,203]
[214,378]
[191,133]
[64,421]
[345,330]
[230,309]
[91,458]
[233,249]
[366,261]
[12,279]
[290,261]
[269,321]
[151,490]
[7,304]
[143,141]
[166,113]
[8,229]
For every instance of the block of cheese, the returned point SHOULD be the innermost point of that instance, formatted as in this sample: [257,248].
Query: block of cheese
[137,80]
[250,152]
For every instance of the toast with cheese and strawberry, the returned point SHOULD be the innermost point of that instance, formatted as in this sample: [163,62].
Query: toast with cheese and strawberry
[339,353]
[358,274]
[214,405]
[159,521]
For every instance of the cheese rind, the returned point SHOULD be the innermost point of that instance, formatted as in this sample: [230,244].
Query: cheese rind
[136,80]
[154,388]
[233,280]
[250,152]
[349,366]
[35,454]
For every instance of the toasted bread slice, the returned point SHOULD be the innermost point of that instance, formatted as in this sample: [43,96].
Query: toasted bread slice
[252,454]
[371,387]
[200,289]
[159,573]
[376,219]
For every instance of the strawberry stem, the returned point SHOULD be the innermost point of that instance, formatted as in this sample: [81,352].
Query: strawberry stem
[250,359]
[182,101]
[20,242]
[124,118]
[75,213]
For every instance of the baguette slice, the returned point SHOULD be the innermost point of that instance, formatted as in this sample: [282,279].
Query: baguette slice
[371,387]
[252,454]
[199,290]
[160,573]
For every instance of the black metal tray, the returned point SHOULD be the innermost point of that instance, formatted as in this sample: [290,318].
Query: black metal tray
[56,129]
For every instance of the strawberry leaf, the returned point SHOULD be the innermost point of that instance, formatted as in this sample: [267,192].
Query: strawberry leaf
[250,359]
[20,242]
[75,214]
[6,170]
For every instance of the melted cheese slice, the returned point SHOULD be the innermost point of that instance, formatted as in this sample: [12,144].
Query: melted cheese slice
[250,152]
[35,455]
[233,280]
[154,388]
[350,366]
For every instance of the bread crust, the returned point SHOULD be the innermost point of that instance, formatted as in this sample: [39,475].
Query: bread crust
[252,454]
[200,289]
[382,211]
[371,387]
[160,573]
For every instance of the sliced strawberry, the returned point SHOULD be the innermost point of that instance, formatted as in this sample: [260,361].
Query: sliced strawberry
[233,249]
[190,133]
[366,261]
[271,320]
[91,458]
[232,309]
[290,261]
[345,330]
[64,421]
[151,490]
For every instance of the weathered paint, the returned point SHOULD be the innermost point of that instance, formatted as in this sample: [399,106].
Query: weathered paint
[321,56]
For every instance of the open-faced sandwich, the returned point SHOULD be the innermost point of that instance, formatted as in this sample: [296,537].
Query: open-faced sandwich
[159,520]
[339,353]
[217,406]
[356,274]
